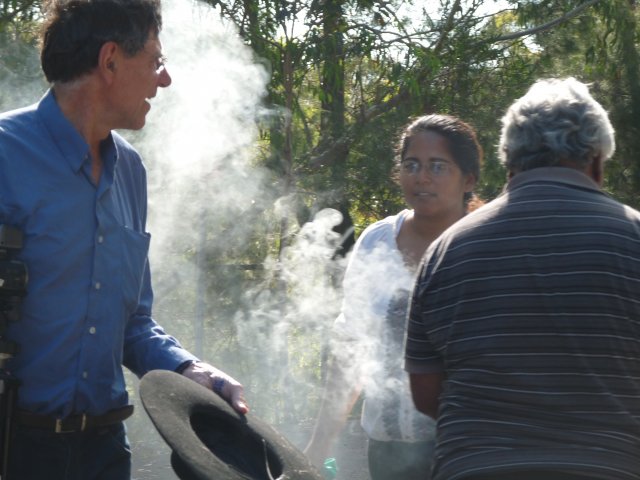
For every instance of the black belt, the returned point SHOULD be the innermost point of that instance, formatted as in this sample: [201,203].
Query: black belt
[73,423]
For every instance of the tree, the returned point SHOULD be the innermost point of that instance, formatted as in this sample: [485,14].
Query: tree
[345,69]
[19,66]
[602,49]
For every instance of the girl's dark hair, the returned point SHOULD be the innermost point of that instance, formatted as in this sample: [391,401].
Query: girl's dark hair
[75,30]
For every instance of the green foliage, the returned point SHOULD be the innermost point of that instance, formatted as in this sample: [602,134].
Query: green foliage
[20,72]
[22,13]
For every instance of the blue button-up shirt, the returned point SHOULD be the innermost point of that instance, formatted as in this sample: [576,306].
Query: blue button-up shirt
[88,307]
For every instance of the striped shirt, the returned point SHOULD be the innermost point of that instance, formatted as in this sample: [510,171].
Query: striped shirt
[531,307]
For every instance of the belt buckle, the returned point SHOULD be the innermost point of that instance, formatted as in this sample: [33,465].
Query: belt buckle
[59,426]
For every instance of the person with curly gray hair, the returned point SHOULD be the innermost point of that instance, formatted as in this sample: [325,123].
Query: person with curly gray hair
[524,324]
[557,123]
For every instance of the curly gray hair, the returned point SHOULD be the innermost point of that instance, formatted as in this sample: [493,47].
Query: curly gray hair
[556,122]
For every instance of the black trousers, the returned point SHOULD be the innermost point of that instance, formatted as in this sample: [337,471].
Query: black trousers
[99,454]
[400,460]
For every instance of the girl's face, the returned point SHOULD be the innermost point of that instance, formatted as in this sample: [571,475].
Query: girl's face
[432,182]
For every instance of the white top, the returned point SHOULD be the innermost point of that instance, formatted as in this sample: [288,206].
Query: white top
[370,333]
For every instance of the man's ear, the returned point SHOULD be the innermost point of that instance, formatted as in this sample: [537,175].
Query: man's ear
[596,169]
[108,59]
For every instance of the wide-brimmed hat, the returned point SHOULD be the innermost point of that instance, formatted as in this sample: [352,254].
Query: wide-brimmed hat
[210,440]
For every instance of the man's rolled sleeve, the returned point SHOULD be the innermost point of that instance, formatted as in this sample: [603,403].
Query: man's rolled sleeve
[421,356]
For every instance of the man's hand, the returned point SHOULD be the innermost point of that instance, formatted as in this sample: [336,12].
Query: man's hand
[218,381]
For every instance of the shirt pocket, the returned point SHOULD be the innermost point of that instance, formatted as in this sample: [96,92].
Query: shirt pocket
[135,250]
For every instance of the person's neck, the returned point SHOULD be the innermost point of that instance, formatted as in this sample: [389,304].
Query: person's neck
[79,105]
[430,227]
[418,232]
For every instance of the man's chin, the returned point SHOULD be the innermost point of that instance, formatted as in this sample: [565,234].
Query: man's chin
[137,125]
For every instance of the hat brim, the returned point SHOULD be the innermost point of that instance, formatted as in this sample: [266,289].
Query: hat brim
[209,439]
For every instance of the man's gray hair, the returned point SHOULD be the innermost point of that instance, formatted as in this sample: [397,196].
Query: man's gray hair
[556,122]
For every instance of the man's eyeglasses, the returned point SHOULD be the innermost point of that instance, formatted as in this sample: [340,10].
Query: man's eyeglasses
[434,168]
[161,64]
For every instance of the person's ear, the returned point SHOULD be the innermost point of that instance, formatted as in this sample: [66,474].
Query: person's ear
[470,182]
[108,59]
[596,169]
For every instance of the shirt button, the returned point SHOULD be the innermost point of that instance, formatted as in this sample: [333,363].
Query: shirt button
[92,330]
[85,374]
[100,239]
[98,285]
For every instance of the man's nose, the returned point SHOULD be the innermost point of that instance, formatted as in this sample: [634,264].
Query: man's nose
[164,79]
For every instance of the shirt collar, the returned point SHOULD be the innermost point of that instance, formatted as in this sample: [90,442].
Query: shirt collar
[71,144]
[569,176]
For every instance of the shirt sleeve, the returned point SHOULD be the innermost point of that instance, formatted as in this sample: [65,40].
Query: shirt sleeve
[365,295]
[3,179]
[147,345]
[421,355]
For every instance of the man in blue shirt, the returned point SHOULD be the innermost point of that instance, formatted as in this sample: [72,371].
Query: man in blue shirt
[77,190]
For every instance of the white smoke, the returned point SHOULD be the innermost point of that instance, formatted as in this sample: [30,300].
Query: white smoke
[209,198]
[22,80]
[202,130]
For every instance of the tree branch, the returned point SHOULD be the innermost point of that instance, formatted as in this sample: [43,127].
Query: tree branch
[540,28]
[324,155]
